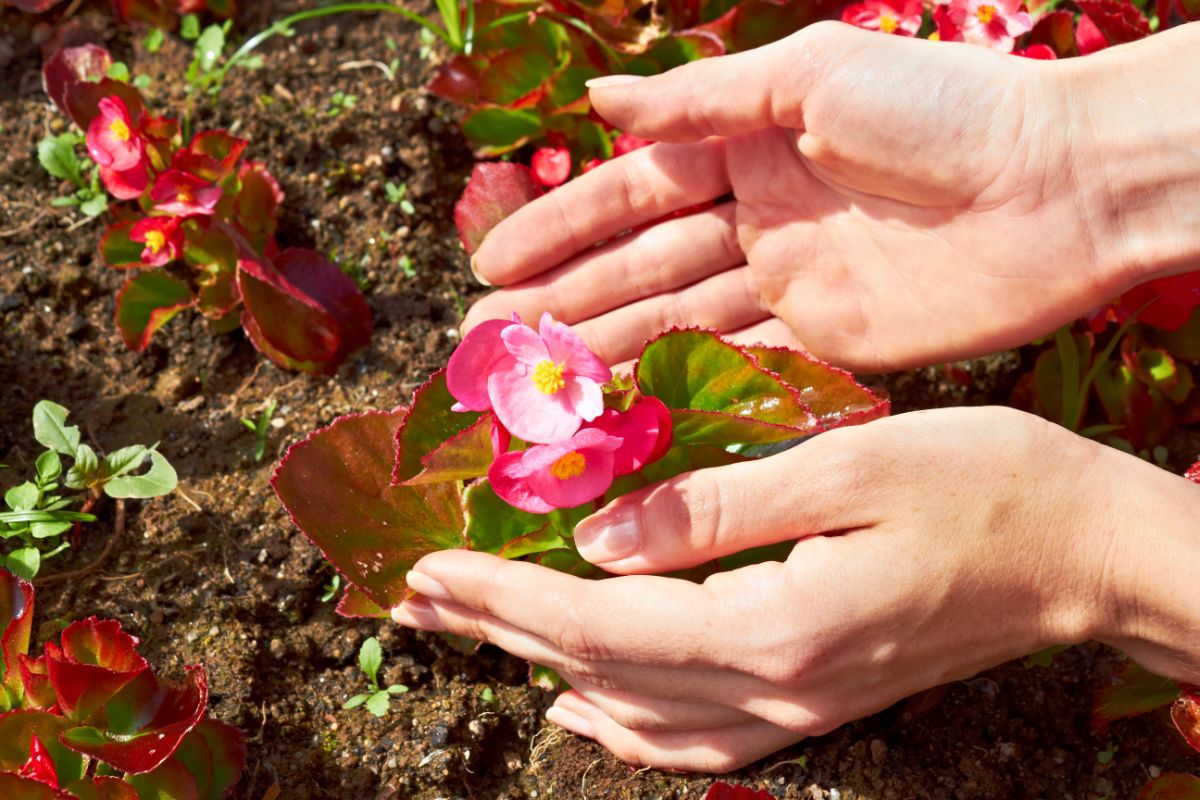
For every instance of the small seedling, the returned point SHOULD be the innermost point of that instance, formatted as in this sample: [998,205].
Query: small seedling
[260,428]
[397,194]
[38,512]
[370,657]
[59,156]
[406,266]
[488,695]
[1106,755]
[340,101]
[153,40]
[330,590]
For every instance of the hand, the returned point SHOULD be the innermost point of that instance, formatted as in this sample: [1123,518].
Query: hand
[896,202]
[913,531]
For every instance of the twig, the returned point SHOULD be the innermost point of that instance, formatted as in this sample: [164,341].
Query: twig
[118,531]
[382,67]
[25,227]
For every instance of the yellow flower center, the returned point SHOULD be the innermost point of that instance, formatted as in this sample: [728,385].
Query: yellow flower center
[888,23]
[119,129]
[548,377]
[935,37]
[183,195]
[155,241]
[986,13]
[569,466]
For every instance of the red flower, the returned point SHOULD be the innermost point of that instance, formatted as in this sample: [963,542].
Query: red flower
[946,31]
[1042,52]
[112,139]
[178,193]
[627,143]
[551,166]
[992,23]
[126,184]
[901,17]
[162,238]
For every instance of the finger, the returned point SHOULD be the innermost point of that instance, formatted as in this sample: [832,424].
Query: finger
[725,96]
[718,749]
[817,487]
[726,301]
[624,193]
[668,684]
[660,258]
[771,332]
[642,713]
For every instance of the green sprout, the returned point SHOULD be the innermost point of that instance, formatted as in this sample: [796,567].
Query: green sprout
[260,428]
[340,101]
[370,657]
[397,194]
[329,590]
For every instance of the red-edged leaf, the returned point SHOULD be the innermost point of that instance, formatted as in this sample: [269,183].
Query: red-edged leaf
[16,624]
[257,201]
[95,660]
[465,455]
[1185,713]
[457,80]
[103,788]
[14,787]
[210,155]
[356,605]
[40,766]
[146,303]
[1133,691]
[428,424]
[35,678]
[491,522]
[70,67]
[513,77]
[1171,786]
[494,131]
[336,486]
[213,755]
[495,191]
[141,725]
[832,394]
[117,249]
[302,307]
[169,781]
[210,251]
[17,731]
[1120,21]
[726,791]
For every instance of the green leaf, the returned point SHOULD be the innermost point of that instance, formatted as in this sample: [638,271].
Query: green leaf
[209,47]
[189,27]
[119,71]
[49,467]
[513,74]
[160,479]
[121,461]
[153,40]
[370,658]
[548,538]
[465,455]
[1172,786]
[492,523]
[84,470]
[397,688]
[146,303]
[497,130]
[50,428]
[95,205]
[24,563]
[428,425]
[23,497]
[1133,691]
[377,704]
[48,530]
[57,156]
[356,701]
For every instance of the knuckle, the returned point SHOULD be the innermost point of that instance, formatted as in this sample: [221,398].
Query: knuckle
[702,501]
[639,197]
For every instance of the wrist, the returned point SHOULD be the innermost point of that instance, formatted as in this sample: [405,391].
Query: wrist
[1134,134]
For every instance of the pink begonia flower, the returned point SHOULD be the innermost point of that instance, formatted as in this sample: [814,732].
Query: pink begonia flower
[126,184]
[946,31]
[992,23]
[900,17]
[541,385]
[112,140]
[562,475]
[645,431]
[161,237]
[178,193]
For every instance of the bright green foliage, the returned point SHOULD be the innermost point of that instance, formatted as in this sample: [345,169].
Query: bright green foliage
[259,428]
[397,194]
[59,156]
[39,510]
[378,700]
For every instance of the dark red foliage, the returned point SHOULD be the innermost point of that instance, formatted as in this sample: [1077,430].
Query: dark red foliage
[725,791]
[495,190]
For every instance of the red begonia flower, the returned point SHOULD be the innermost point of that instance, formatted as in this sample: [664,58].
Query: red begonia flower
[112,137]
[178,193]
[900,17]
[162,238]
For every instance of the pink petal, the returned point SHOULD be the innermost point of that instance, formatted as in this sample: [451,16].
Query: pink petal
[597,476]
[524,345]
[515,489]
[585,396]
[528,412]
[128,184]
[501,438]
[566,347]
[474,358]
[645,431]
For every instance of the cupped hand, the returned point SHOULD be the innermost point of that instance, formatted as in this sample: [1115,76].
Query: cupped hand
[914,532]
[895,202]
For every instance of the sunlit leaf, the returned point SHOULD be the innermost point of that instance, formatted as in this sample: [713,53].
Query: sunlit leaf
[1133,691]
[146,303]
[494,191]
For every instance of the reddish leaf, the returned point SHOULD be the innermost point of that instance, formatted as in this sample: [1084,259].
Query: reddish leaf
[142,724]
[429,422]
[34,6]
[832,394]
[514,77]
[725,791]
[336,486]
[16,623]
[1120,21]
[356,605]
[1171,786]
[14,787]
[70,67]
[210,155]
[1057,31]
[1185,713]
[210,251]
[495,191]
[146,303]
[257,201]
[1133,691]
[17,732]
[102,788]
[213,755]
[457,80]
[170,780]
[1088,36]
[95,660]
[465,455]
[39,693]
[162,136]
[39,767]
[301,310]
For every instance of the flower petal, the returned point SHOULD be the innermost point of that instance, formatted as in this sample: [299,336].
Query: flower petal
[512,487]
[566,347]
[524,345]
[474,358]
[529,413]
[592,483]
[585,397]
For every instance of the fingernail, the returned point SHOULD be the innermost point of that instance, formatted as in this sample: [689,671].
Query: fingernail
[571,721]
[417,614]
[427,586]
[609,81]
[475,272]
[609,536]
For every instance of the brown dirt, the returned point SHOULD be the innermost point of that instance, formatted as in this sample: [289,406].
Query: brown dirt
[216,574]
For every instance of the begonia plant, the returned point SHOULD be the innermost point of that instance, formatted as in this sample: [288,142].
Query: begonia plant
[160,13]
[198,230]
[89,720]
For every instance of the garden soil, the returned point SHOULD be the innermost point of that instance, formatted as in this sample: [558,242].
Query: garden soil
[216,574]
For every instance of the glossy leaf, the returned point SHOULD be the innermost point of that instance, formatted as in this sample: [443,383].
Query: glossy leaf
[513,76]
[495,131]
[1171,786]
[209,761]
[494,191]
[102,788]
[492,523]
[94,661]
[336,486]
[1185,713]
[832,394]
[355,604]
[146,303]
[16,625]
[465,455]
[14,787]
[428,424]
[17,729]
[1133,691]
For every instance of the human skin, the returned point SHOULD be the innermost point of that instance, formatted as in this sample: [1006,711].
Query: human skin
[882,229]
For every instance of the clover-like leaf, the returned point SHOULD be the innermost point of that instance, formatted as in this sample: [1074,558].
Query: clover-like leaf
[430,422]
[16,626]
[1133,690]
[336,485]
[146,303]
[494,191]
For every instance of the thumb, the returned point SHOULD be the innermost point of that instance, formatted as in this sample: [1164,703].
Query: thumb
[817,487]
[723,96]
